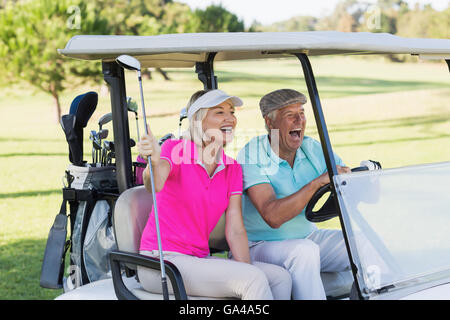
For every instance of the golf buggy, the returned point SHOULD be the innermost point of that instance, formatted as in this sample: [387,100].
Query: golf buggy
[382,207]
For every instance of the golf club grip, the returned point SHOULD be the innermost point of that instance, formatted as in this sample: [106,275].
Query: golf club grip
[165,290]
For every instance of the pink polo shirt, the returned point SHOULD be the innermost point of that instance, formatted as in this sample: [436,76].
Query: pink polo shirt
[191,202]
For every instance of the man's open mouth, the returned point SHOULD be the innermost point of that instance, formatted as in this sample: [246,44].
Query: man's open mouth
[295,133]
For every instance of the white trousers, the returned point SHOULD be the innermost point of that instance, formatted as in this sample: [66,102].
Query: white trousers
[323,250]
[221,278]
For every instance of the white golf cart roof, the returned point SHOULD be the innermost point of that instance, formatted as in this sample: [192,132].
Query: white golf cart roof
[184,50]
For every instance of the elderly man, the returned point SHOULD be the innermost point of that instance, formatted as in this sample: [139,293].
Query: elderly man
[282,170]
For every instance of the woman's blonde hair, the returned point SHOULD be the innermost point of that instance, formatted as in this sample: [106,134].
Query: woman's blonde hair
[195,131]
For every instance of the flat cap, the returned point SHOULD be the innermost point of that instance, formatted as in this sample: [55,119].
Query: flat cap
[280,98]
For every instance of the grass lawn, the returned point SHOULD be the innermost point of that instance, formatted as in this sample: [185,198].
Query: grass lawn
[398,114]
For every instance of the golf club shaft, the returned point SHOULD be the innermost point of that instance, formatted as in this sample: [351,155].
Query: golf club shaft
[137,128]
[142,102]
[155,206]
[158,235]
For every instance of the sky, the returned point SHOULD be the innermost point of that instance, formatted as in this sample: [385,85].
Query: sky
[268,12]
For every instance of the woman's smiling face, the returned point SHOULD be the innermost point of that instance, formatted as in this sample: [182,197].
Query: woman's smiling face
[219,123]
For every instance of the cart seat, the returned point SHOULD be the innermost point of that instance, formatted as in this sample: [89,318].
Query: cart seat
[130,217]
[131,213]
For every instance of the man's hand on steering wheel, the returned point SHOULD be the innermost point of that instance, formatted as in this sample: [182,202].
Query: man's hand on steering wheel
[324,179]
[328,210]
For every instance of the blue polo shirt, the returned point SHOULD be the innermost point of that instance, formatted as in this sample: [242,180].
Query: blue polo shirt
[260,164]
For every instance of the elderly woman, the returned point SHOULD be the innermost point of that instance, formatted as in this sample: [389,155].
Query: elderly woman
[196,183]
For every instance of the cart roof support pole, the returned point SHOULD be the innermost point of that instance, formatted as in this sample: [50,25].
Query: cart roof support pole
[329,156]
[114,77]
[205,71]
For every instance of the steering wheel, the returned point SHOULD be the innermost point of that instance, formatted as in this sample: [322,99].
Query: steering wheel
[328,209]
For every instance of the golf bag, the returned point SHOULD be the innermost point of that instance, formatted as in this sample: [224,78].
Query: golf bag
[91,195]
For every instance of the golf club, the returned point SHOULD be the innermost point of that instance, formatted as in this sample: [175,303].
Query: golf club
[102,134]
[166,137]
[104,120]
[92,138]
[133,107]
[108,147]
[131,63]
[103,157]
[111,155]
[96,146]
[183,115]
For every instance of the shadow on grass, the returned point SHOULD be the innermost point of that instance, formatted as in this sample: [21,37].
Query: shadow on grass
[20,265]
[29,193]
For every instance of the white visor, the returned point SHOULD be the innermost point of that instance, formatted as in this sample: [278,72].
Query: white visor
[211,99]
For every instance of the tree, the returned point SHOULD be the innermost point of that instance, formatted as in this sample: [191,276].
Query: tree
[426,23]
[345,17]
[30,34]
[32,31]
[216,18]
[298,23]
[147,17]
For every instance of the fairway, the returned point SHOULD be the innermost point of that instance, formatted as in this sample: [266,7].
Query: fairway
[395,113]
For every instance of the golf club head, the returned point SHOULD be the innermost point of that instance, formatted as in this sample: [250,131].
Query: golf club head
[96,140]
[92,135]
[108,145]
[104,119]
[110,155]
[128,62]
[132,105]
[131,63]
[132,143]
[103,134]
[83,106]
[96,144]
[166,137]
[183,114]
